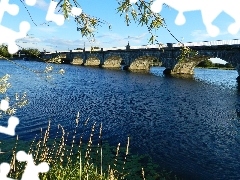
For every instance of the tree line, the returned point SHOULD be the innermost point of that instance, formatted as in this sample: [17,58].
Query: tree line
[210,64]
[27,52]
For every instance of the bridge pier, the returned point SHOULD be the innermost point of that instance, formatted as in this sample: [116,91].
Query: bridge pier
[238,70]
[238,78]
[233,59]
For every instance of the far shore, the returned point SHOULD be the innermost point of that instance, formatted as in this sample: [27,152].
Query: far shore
[222,68]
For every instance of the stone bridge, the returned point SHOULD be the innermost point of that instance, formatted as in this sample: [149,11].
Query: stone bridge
[133,59]
[142,58]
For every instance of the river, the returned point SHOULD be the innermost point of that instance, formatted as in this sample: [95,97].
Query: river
[190,126]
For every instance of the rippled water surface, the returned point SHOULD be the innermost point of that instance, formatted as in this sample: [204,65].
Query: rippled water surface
[190,126]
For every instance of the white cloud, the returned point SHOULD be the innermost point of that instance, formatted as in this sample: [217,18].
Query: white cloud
[42,4]
[62,44]
[103,41]
[110,39]
[200,35]
[53,43]
[30,39]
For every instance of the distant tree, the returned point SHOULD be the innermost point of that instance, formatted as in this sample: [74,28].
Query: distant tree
[31,52]
[228,65]
[218,65]
[221,66]
[4,51]
[206,63]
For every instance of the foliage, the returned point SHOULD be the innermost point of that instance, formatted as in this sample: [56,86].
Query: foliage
[31,52]
[141,13]
[210,64]
[206,63]
[228,65]
[19,100]
[186,53]
[218,65]
[4,51]
[86,24]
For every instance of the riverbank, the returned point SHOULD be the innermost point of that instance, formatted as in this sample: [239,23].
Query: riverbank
[86,160]
[216,68]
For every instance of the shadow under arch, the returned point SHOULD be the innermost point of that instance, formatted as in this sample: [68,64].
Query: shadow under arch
[92,61]
[113,61]
[144,62]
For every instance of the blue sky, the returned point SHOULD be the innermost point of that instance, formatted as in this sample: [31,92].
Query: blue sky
[66,37]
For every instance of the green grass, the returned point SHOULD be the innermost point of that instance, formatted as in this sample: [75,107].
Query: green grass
[92,160]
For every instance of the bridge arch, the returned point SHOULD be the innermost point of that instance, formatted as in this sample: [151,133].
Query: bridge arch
[113,61]
[77,60]
[227,54]
[187,65]
[231,57]
[92,60]
[144,62]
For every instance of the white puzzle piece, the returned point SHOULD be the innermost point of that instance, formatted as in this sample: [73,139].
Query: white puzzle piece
[30,2]
[4,105]
[7,35]
[31,171]
[76,11]
[12,121]
[51,16]
[10,129]
[59,18]
[4,170]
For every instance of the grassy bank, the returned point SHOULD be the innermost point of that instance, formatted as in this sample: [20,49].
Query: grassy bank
[76,159]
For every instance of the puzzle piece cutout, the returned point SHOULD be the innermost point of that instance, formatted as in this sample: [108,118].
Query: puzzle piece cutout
[12,121]
[133,1]
[76,11]
[4,170]
[30,2]
[12,9]
[59,18]
[7,35]
[10,129]
[210,9]
[4,105]
[31,171]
